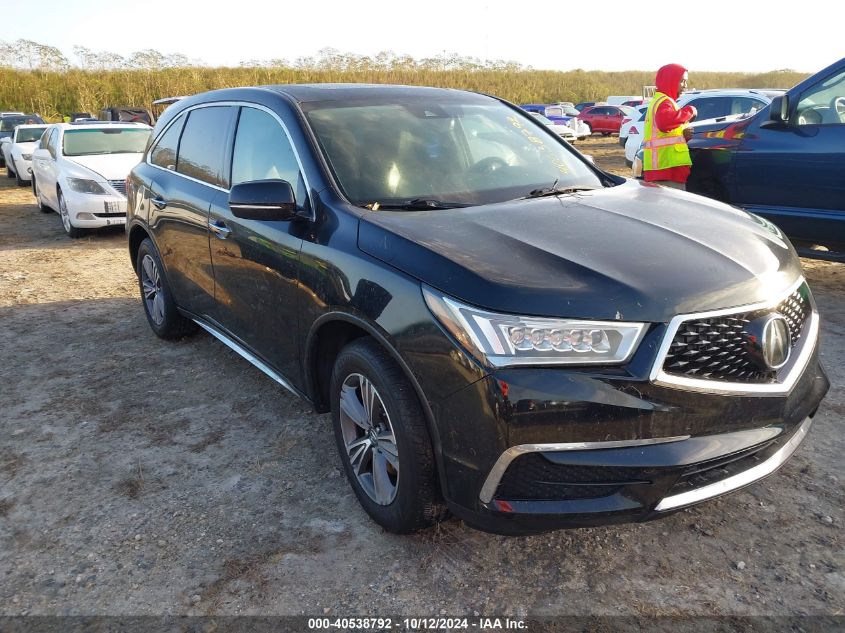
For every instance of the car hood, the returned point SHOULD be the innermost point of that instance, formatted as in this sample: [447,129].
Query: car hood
[109,166]
[635,252]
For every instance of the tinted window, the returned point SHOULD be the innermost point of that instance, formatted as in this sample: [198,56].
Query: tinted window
[53,142]
[262,151]
[164,153]
[712,107]
[203,145]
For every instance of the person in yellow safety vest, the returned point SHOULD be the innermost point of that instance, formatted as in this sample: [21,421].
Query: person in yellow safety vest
[666,158]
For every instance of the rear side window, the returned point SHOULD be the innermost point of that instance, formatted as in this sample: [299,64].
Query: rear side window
[164,152]
[262,151]
[203,145]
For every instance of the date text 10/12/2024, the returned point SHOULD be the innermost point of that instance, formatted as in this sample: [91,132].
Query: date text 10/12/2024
[417,624]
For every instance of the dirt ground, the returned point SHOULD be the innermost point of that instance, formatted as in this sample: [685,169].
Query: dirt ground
[145,477]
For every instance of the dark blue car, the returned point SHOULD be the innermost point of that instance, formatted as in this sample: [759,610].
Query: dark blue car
[785,163]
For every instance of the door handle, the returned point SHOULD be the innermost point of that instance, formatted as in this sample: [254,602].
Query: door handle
[159,203]
[219,228]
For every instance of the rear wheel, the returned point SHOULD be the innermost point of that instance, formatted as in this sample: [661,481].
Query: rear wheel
[70,229]
[162,314]
[383,440]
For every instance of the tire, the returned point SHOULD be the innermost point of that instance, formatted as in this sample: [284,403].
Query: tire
[162,314]
[407,499]
[70,229]
[9,172]
[37,193]
[20,182]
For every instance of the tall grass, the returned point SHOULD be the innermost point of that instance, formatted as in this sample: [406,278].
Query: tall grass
[54,94]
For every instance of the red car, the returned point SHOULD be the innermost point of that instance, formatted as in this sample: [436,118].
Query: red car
[604,119]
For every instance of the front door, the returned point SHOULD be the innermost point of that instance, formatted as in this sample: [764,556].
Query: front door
[794,174]
[256,263]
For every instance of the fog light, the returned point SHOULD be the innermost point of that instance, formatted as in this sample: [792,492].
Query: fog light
[85,216]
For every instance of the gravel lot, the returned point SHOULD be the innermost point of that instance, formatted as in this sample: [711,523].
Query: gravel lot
[145,477]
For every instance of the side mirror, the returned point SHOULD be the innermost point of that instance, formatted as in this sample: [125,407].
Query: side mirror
[779,109]
[41,153]
[263,200]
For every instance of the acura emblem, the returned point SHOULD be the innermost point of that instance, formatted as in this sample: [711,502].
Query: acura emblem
[769,341]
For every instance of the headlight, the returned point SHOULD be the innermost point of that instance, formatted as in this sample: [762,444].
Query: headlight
[501,340]
[26,156]
[81,185]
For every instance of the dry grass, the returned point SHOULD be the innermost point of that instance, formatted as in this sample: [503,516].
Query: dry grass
[54,94]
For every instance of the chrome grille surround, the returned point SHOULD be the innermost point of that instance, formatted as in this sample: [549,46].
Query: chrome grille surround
[804,342]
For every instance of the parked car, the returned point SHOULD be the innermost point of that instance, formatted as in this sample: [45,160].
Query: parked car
[629,121]
[569,116]
[570,127]
[713,106]
[564,131]
[17,151]
[604,119]
[588,104]
[785,163]
[8,123]
[497,326]
[127,114]
[80,170]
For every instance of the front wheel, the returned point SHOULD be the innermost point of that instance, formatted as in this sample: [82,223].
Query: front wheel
[383,440]
[162,314]
[39,201]
[70,229]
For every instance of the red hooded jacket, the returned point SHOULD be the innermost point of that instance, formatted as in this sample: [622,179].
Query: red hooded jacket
[666,118]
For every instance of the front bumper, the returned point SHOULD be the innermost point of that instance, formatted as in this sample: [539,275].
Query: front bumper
[94,211]
[575,448]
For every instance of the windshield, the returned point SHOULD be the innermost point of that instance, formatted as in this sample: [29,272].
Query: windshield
[470,151]
[8,123]
[29,134]
[105,141]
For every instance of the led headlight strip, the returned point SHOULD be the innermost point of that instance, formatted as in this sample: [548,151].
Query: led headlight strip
[503,340]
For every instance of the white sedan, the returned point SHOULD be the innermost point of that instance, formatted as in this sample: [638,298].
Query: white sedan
[564,131]
[17,151]
[79,170]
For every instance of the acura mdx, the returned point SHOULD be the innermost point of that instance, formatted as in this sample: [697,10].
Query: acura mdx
[499,328]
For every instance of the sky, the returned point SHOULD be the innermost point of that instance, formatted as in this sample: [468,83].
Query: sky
[608,35]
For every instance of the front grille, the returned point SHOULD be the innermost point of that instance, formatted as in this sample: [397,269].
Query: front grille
[716,348]
[119,185]
[533,477]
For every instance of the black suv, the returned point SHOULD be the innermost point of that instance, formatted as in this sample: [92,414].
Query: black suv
[498,327]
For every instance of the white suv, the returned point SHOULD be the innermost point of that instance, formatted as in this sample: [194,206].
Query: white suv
[711,105]
[79,170]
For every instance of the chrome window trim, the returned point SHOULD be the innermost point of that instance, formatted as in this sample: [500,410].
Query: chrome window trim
[740,479]
[505,459]
[245,104]
[806,346]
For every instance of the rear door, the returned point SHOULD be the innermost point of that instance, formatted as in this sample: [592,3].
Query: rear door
[191,172]
[48,170]
[256,263]
[794,174]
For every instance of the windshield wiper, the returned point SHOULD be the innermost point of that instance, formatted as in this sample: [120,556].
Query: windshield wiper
[554,191]
[417,204]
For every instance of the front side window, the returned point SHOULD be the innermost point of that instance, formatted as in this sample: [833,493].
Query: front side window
[203,145]
[165,150]
[90,141]
[53,142]
[824,103]
[262,152]
[464,150]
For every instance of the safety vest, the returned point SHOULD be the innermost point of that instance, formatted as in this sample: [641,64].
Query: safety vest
[662,150]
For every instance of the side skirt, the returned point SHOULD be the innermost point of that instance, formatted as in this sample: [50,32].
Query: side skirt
[252,358]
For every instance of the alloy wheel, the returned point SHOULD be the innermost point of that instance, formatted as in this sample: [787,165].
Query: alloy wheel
[369,439]
[151,282]
[64,213]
